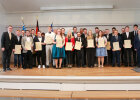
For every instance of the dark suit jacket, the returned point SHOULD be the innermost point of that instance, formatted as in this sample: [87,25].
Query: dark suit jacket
[82,40]
[6,42]
[137,43]
[130,37]
[16,40]
[37,40]
[113,39]
[134,35]
[109,38]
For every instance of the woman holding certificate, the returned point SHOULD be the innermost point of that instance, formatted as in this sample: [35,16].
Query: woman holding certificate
[69,47]
[39,47]
[90,49]
[101,51]
[58,50]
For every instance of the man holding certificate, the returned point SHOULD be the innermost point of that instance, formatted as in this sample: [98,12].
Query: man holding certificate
[27,45]
[17,50]
[116,44]
[69,47]
[39,47]
[49,38]
[90,49]
[79,44]
[127,39]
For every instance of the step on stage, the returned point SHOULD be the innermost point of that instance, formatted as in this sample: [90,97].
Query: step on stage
[73,79]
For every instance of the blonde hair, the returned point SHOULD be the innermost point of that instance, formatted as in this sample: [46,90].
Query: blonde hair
[90,36]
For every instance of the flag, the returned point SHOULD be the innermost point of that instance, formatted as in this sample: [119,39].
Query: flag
[37,27]
[23,26]
[52,26]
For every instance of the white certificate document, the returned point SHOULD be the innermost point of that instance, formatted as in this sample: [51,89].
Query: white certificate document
[116,46]
[59,42]
[38,46]
[127,43]
[48,40]
[28,45]
[68,46]
[78,45]
[90,43]
[17,49]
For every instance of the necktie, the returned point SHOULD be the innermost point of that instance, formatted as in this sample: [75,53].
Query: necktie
[10,36]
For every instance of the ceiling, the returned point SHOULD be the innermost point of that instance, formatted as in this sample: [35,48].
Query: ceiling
[11,6]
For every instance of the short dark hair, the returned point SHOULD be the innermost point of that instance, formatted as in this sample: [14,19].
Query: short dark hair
[114,28]
[84,29]
[62,28]
[96,27]
[42,33]
[135,25]
[32,29]
[74,27]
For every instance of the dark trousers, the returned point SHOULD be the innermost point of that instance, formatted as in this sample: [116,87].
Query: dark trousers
[108,59]
[138,58]
[22,59]
[91,56]
[41,56]
[69,57]
[17,59]
[127,56]
[34,59]
[122,55]
[134,57]
[74,57]
[6,56]
[28,60]
[80,57]
[85,56]
[116,57]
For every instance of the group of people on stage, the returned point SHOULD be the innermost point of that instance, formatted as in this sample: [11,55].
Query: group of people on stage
[95,49]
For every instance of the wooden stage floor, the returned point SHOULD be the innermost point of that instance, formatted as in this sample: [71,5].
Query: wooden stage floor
[106,71]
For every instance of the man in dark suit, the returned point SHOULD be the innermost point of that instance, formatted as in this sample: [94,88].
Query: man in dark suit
[134,33]
[122,49]
[137,47]
[108,59]
[80,53]
[116,53]
[17,57]
[40,54]
[127,51]
[7,46]
[34,58]
[74,34]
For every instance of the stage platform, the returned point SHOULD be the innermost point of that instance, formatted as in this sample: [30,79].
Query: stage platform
[106,71]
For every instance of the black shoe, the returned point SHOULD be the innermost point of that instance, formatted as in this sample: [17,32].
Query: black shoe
[119,66]
[9,69]
[113,65]
[47,66]
[130,65]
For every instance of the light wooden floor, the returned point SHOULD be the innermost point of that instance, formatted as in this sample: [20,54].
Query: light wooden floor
[106,71]
[71,94]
